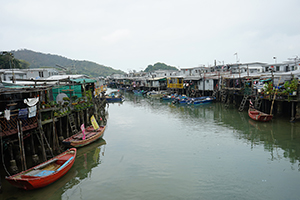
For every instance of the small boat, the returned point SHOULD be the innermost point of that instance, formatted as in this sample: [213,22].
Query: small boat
[155,94]
[139,92]
[44,173]
[80,139]
[114,96]
[258,115]
[181,100]
[112,99]
[169,97]
[205,100]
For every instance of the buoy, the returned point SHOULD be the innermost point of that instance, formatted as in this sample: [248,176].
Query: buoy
[13,166]
[35,158]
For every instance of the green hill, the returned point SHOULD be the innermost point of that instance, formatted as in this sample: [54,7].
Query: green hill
[159,66]
[38,60]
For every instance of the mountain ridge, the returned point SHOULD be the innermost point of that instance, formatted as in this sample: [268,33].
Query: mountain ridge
[38,59]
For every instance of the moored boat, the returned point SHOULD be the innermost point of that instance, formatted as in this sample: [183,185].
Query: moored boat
[82,139]
[114,96]
[156,94]
[169,97]
[44,173]
[258,115]
[139,92]
[204,100]
[115,99]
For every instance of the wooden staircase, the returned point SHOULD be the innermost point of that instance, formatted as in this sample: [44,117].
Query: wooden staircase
[241,108]
[257,103]
[72,124]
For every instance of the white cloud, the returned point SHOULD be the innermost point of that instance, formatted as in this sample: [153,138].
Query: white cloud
[132,34]
[116,36]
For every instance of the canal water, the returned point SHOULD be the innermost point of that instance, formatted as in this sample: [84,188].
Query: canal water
[156,150]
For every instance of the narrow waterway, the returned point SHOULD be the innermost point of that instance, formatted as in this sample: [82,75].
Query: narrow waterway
[156,150]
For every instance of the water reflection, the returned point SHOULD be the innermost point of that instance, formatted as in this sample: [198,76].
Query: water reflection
[87,158]
[275,136]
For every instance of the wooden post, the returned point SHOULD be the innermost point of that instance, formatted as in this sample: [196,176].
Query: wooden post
[274,96]
[292,113]
[87,117]
[41,132]
[60,126]
[82,116]
[53,131]
[68,123]
[78,119]
[21,145]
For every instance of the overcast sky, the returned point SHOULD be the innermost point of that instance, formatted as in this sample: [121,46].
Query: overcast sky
[132,34]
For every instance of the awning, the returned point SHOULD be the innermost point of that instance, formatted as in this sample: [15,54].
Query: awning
[84,80]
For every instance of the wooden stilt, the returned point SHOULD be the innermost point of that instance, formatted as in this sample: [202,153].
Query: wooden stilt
[21,145]
[68,134]
[40,127]
[293,113]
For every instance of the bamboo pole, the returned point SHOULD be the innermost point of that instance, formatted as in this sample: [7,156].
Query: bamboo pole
[21,145]
[274,96]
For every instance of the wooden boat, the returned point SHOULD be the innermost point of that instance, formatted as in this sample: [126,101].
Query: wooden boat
[169,97]
[44,173]
[258,115]
[204,100]
[114,99]
[114,96]
[90,136]
[139,92]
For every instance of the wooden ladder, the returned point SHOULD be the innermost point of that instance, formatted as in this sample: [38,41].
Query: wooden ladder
[72,124]
[214,93]
[241,108]
[257,103]
[224,96]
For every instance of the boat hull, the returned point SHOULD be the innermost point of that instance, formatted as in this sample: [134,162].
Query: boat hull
[259,116]
[40,175]
[91,136]
[111,100]
[201,101]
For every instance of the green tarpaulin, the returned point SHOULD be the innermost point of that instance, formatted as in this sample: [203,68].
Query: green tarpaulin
[83,80]
[68,90]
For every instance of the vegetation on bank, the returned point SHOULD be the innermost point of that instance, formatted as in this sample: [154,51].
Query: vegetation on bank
[24,59]
[8,61]
[38,60]
[159,66]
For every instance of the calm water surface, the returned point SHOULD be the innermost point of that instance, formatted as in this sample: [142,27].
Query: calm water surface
[156,150]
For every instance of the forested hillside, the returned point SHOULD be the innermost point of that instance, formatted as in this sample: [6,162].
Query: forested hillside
[38,60]
[159,66]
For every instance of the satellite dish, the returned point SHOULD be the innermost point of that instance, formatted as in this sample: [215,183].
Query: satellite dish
[59,98]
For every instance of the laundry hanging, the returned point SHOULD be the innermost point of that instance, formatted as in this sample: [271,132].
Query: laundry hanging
[31,101]
[23,113]
[31,111]
[7,114]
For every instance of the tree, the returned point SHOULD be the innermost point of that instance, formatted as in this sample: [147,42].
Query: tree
[7,61]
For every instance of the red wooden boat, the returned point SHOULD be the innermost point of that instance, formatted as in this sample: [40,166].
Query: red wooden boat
[78,140]
[44,173]
[258,115]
